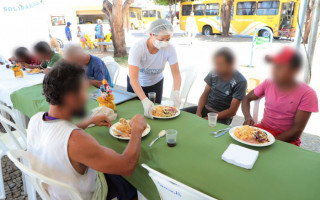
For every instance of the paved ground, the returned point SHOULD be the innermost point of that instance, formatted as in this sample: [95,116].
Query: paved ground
[197,55]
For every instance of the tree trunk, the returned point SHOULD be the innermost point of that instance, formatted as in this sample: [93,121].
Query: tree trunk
[116,14]
[307,26]
[226,17]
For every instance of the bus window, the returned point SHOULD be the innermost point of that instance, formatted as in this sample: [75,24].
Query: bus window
[152,13]
[145,13]
[268,7]
[158,15]
[212,9]
[186,10]
[246,8]
[133,15]
[198,9]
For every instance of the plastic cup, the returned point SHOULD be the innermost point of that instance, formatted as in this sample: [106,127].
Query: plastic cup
[212,119]
[171,136]
[152,96]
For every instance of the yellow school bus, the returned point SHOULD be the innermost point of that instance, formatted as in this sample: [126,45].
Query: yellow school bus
[150,15]
[246,16]
[135,18]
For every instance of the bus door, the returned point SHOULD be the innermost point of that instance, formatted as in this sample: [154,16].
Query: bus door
[287,13]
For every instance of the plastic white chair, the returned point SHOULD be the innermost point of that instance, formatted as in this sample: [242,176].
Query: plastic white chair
[113,68]
[38,180]
[188,76]
[11,140]
[256,107]
[170,189]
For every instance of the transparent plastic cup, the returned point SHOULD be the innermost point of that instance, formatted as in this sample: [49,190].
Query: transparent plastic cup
[212,119]
[152,96]
[171,137]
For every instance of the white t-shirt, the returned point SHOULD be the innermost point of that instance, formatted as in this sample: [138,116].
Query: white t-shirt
[48,144]
[151,65]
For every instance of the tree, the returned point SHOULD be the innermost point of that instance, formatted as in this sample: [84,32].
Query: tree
[116,13]
[307,26]
[226,17]
[170,3]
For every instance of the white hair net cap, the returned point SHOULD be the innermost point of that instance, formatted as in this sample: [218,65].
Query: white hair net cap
[161,27]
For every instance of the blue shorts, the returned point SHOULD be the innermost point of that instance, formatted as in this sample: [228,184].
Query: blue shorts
[98,35]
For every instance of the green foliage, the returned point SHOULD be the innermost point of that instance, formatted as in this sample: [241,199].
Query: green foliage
[166,2]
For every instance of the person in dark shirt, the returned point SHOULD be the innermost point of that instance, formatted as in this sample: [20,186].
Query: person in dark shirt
[224,91]
[95,68]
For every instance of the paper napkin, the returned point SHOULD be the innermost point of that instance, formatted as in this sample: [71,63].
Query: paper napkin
[103,111]
[240,156]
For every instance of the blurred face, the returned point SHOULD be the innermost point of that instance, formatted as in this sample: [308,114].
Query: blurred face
[78,28]
[76,58]
[76,101]
[40,56]
[221,67]
[283,73]
[192,14]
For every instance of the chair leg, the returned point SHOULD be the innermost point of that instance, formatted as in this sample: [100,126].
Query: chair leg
[2,192]
[28,188]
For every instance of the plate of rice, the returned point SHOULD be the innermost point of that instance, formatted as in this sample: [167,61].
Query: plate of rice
[122,130]
[165,112]
[252,136]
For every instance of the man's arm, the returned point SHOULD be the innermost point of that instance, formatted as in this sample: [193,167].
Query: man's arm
[69,35]
[176,76]
[231,111]
[203,100]
[95,83]
[98,120]
[84,149]
[134,81]
[246,108]
[300,121]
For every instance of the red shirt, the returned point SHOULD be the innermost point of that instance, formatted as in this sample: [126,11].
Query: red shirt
[33,61]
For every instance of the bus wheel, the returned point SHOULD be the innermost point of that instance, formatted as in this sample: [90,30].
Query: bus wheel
[264,33]
[206,30]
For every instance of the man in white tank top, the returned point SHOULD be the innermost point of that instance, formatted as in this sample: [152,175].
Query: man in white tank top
[65,152]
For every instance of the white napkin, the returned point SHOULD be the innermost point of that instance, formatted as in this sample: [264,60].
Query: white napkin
[240,156]
[103,111]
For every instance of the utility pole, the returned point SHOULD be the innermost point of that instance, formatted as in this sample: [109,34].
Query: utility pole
[300,25]
[312,40]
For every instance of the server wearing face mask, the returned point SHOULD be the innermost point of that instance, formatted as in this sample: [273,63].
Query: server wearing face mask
[147,60]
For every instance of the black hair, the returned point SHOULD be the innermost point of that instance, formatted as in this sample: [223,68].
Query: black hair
[296,61]
[63,78]
[42,47]
[226,53]
[22,52]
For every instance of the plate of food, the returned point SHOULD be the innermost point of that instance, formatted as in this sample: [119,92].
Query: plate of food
[252,136]
[165,112]
[122,129]
[34,71]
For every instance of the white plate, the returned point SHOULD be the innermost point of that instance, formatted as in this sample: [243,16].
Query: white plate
[111,131]
[176,115]
[33,73]
[270,137]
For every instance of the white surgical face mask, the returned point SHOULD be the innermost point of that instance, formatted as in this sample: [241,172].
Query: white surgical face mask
[160,44]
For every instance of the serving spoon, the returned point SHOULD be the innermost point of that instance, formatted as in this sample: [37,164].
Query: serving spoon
[160,135]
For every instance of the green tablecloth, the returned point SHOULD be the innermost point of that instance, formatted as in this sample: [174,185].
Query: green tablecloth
[282,171]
